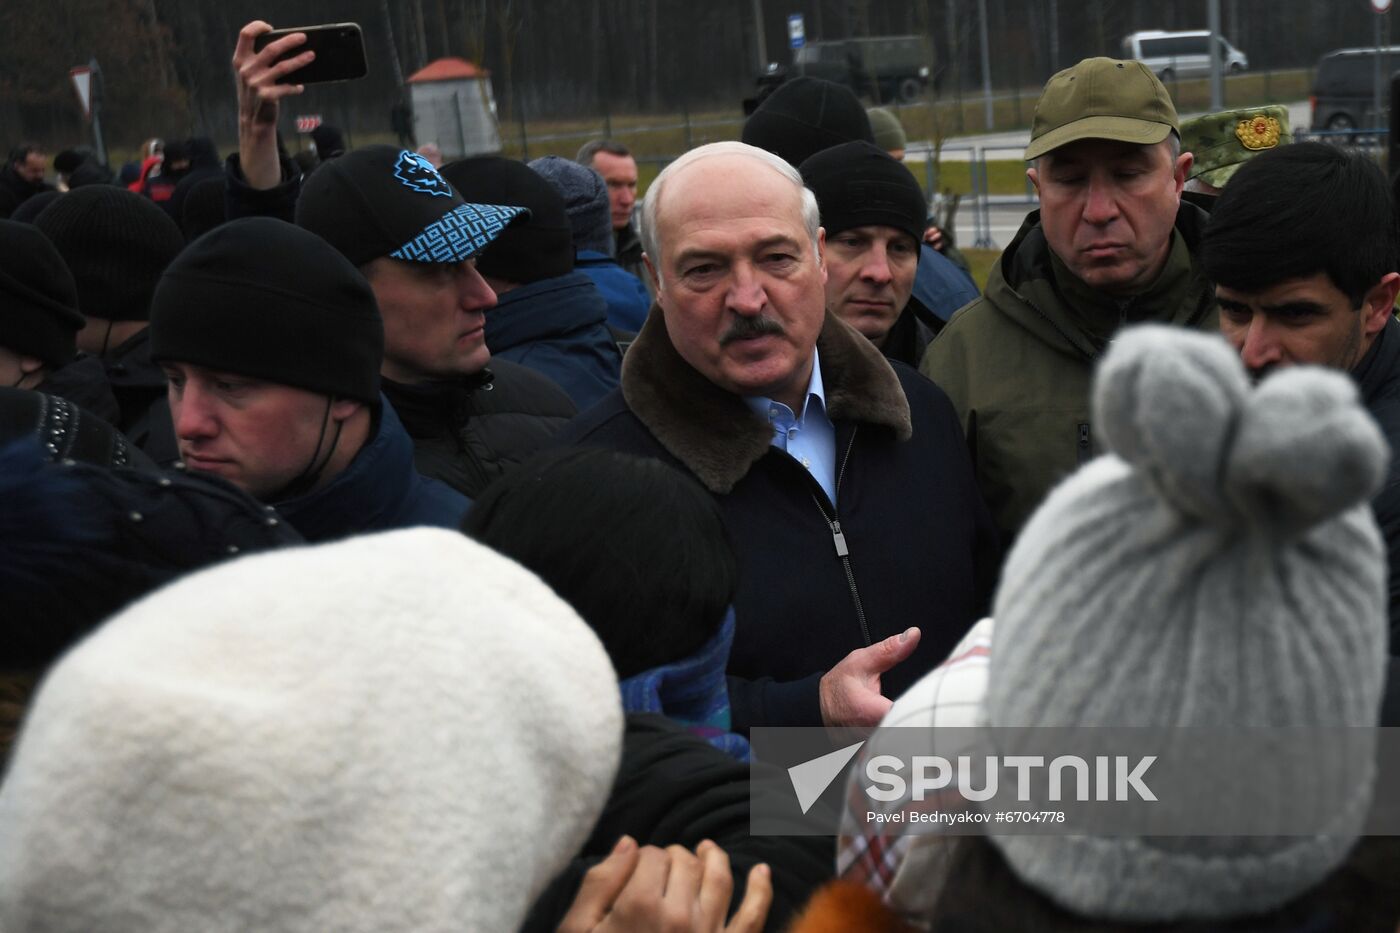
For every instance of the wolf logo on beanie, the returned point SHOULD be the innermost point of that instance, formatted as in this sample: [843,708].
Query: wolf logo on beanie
[369,203]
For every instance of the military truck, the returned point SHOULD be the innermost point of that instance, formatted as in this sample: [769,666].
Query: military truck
[883,68]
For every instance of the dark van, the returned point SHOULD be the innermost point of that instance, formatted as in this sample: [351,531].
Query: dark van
[1343,94]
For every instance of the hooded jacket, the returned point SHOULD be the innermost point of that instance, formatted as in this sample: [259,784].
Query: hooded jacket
[558,326]
[626,297]
[1017,362]
[941,285]
[378,491]
[920,546]
[468,432]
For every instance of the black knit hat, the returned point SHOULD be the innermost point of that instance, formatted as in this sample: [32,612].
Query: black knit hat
[264,299]
[38,301]
[803,117]
[382,201]
[860,185]
[540,247]
[67,160]
[330,142]
[203,209]
[33,205]
[116,243]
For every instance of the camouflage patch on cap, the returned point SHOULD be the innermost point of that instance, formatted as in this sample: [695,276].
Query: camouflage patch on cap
[1222,142]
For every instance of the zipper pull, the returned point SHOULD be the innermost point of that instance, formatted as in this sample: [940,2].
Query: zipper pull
[839,539]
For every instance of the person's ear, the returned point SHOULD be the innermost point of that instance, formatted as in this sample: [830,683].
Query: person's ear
[654,276]
[1379,303]
[343,409]
[1181,170]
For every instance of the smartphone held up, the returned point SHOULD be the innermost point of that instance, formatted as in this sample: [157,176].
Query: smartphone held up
[339,48]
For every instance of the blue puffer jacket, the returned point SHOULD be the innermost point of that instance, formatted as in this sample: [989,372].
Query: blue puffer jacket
[558,327]
[940,285]
[379,490]
[627,298]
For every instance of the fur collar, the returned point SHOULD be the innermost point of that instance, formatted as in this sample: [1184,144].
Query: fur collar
[715,434]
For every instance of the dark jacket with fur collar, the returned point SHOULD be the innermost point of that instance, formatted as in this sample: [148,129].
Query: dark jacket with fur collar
[922,549]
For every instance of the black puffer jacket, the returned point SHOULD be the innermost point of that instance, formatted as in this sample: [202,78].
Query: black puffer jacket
[1378,378]
[673,788]
[467,433]
[84,383]
[917,547]
[139,385]
[14,190]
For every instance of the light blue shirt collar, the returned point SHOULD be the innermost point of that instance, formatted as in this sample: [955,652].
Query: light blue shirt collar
[762,405]
[809,438]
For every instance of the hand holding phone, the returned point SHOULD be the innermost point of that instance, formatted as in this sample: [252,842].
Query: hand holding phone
[257,74]
[339,50]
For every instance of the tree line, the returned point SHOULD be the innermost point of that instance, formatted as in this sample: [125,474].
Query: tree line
[165,63]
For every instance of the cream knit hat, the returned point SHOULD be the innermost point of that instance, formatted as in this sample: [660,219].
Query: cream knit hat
[404,731]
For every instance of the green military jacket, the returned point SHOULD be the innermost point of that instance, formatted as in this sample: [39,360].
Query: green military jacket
[1018,361]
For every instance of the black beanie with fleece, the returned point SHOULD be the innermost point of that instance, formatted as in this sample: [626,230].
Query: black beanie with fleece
[803,117]
[264,299]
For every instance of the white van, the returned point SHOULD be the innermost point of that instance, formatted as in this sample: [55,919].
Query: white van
[1181,54]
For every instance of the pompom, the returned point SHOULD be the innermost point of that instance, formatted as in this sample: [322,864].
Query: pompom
[1177,405]
[1305,450]
[1166,400]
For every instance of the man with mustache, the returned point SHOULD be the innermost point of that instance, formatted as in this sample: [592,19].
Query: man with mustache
[1112,244]
[1310,278]
[858,569]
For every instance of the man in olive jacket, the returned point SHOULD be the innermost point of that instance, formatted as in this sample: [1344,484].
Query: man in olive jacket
[1112,244]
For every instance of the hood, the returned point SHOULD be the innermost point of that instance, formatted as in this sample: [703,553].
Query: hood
[1033,288]
[550,308]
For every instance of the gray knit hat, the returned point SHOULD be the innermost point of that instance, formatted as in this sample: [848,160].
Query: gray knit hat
[586,200]
[1218,568]
[889,132]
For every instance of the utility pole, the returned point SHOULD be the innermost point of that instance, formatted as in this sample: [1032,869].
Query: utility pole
[1217,77]
[986,63]
[1381,115]
[760,41]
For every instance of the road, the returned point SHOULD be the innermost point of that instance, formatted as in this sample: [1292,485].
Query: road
[1007,212]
